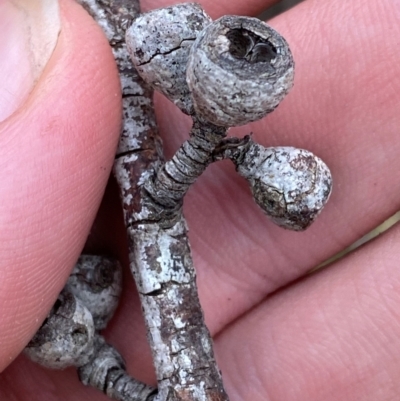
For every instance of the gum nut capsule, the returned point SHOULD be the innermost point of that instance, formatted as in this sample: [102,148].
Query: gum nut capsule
[239,70]
[158,43]
[66,338]
[97,282]
[290,185]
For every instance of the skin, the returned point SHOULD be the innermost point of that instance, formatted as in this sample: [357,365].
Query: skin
[279,335]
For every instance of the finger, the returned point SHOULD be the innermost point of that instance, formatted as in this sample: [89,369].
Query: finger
[217,9]
[29,35]
[57,151]
[333,336]
[343,107]
[247,277]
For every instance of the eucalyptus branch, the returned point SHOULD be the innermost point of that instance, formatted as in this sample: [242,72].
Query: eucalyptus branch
[223,73]
[163,268]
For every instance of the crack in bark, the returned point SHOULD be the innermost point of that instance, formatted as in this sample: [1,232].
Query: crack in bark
[166,53]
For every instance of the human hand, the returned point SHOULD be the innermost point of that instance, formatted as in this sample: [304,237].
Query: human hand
[330,336]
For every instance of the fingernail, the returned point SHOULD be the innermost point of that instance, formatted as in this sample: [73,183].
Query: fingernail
[29,31]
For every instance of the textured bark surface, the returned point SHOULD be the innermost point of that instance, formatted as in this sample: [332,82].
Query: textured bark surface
[163,268]
[165,189]
[106,372]
[181,344]
[139,128]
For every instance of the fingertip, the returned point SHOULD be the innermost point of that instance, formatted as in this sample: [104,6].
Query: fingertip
[57,153]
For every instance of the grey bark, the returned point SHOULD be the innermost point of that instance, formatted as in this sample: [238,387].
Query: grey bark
[163,269]
[181,340]
[106,371]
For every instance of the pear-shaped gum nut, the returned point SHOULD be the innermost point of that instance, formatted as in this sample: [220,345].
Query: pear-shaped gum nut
[97,282]
[158,43]
[66,338]
[239,70]
[290,185]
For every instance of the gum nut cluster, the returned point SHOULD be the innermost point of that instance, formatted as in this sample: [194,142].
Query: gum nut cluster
[290,185]
[239,70]
[66,338]
[158,43]
[230,72]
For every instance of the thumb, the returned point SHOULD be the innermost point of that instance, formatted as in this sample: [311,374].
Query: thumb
[29,34]
[56,150]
